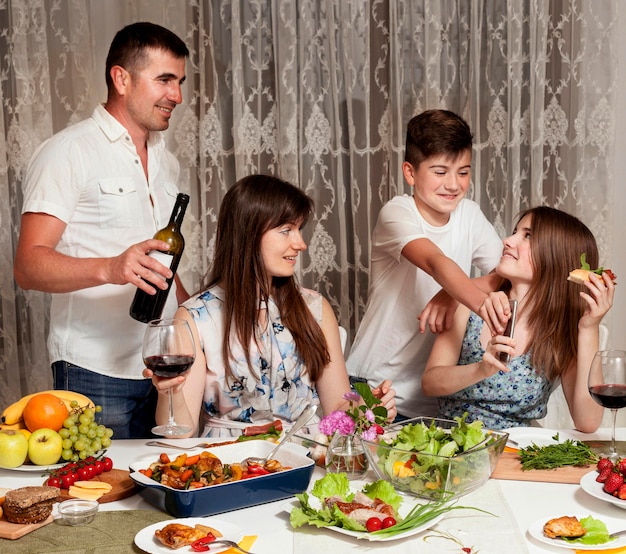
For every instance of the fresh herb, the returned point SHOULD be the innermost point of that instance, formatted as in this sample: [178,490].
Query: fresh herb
[568,453]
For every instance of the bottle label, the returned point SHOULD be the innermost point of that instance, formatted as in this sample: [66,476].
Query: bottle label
[162,257]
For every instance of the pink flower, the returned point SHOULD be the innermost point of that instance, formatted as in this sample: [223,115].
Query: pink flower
[337,421]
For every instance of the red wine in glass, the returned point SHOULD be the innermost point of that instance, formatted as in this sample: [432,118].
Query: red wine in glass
[607,386]
[168,365]
[612,397]
[169,350]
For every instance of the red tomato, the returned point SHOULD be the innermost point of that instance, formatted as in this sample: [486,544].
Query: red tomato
[54,482]
[83,473]
[374,524]
[107,464]
[99,466]
[67,481]
[388,522]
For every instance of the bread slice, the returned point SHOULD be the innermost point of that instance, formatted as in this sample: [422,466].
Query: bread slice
[30,504]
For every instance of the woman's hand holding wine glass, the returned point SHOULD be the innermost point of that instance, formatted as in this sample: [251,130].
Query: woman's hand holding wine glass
[607,385]
[168,351]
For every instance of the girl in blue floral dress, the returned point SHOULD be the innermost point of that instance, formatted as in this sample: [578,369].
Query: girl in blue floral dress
[266,348]
[556,332]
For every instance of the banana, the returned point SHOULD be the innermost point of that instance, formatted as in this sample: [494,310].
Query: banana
[14,426]
[13,414]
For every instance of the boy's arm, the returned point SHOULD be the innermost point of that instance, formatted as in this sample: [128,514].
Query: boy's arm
[494,309]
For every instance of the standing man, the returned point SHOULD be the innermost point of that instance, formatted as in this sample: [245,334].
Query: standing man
[94,194]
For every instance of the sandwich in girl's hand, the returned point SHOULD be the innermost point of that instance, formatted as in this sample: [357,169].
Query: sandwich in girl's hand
[582,274]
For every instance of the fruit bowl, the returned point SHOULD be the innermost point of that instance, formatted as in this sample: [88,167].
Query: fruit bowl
[431,472]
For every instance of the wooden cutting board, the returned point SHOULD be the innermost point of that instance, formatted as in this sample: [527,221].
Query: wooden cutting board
[509,467]
[119,479]
[16,530]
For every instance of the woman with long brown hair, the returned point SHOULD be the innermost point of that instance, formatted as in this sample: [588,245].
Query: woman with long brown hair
[266,346]
[556,332]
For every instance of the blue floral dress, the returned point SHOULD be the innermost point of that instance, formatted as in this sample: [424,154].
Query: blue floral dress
[505,399]
[278,386]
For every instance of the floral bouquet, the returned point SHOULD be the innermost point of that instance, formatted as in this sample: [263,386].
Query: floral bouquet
[363,419]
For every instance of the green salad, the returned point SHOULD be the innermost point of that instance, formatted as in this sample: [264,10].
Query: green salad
[431,461]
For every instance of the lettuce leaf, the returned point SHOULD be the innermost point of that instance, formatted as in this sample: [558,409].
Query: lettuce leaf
[597,533]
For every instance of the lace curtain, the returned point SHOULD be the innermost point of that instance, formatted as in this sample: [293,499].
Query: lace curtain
[319,93]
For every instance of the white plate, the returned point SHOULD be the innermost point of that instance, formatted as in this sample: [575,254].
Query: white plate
[33,467]
[525,436]
[404,509]
[147,541]
[536,532]
[589,484]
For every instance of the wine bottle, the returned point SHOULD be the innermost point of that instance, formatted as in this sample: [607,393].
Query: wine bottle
[146,307]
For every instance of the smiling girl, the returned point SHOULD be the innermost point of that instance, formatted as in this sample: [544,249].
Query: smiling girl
[556,332]
[267,347]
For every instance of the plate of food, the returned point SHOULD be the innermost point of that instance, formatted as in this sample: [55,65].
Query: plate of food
[589,484]
[35,468]
[523,437]
[349,508]
[578,528]
[179,534]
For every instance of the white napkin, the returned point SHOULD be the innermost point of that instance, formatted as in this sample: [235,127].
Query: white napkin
[481,532]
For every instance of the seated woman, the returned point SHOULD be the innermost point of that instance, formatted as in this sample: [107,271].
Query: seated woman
[266,347]
[556,333]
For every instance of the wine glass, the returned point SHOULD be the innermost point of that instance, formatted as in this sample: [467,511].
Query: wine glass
[607,385]
[168,350]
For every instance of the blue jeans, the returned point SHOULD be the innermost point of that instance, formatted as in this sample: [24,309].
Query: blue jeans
[128,405]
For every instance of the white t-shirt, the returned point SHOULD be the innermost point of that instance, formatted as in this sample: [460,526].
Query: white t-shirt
[90,176]
[388,344]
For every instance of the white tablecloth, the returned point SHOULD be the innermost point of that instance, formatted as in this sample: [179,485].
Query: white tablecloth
[517,504]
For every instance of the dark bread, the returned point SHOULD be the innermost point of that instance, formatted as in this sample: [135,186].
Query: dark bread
[30,504]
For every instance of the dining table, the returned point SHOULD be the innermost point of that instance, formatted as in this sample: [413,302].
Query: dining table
[508,508]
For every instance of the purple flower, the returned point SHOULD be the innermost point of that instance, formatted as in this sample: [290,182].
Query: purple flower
[337,421]
[352,396]
[369,415]
[369,434]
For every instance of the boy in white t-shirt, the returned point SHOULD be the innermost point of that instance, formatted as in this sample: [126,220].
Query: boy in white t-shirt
[421,244]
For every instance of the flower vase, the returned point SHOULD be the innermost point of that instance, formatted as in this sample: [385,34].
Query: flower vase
[346,455]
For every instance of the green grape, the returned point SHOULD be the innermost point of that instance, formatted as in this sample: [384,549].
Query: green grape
[100,431]
[83,454]
[108,432]
[67,444]
[106,442]
[80,445]
[74,403]
[90,413]
[98,409]
[75,457]
[64,433]
[68,422]
[93,425]
[83,429]
[91,433]
[67,454]
[74,430]
[96,445]
[84,419]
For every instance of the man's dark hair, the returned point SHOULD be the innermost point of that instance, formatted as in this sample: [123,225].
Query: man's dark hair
[436,132]
[129,46]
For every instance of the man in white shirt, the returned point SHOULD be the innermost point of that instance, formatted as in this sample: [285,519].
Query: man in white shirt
[94,194]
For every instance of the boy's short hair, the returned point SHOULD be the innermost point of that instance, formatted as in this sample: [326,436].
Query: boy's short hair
[436,132]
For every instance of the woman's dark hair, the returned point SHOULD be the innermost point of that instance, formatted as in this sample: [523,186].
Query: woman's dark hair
[253,206]
[436,132]
[557,241]
[129,47]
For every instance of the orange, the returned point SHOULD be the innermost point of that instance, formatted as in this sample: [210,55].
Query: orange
[45,410]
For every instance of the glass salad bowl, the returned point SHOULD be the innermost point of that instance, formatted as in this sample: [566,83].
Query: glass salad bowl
[436,458]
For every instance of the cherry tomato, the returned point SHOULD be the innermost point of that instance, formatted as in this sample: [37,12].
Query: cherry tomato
[388,522]
[99,466]
[107,464]
[373,524]
[83,473]
[67,481]
[54,482]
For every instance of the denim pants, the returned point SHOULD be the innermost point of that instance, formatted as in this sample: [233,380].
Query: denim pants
[128,405]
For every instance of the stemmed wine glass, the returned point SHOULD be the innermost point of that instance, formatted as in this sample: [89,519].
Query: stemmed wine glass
[607,385]
[168,350]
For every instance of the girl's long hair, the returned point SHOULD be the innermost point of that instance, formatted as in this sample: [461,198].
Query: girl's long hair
[254,205]
[557,241]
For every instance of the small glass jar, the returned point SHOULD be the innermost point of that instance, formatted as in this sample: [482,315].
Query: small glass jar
[346,455]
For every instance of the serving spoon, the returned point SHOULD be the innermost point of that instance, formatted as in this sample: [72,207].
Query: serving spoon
[302,420]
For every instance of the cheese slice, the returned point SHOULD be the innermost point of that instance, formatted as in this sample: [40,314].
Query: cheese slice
[97,485]
[85,494]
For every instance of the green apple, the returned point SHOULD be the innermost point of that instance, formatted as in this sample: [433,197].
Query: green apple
[45,447]
[13,448]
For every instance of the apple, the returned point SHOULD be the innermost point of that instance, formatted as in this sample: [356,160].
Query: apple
[45,447]
[13,448]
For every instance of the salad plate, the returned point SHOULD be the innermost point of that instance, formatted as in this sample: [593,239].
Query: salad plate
[613,525]
[523,437]
[405,507]
[589,484]
[147,541]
